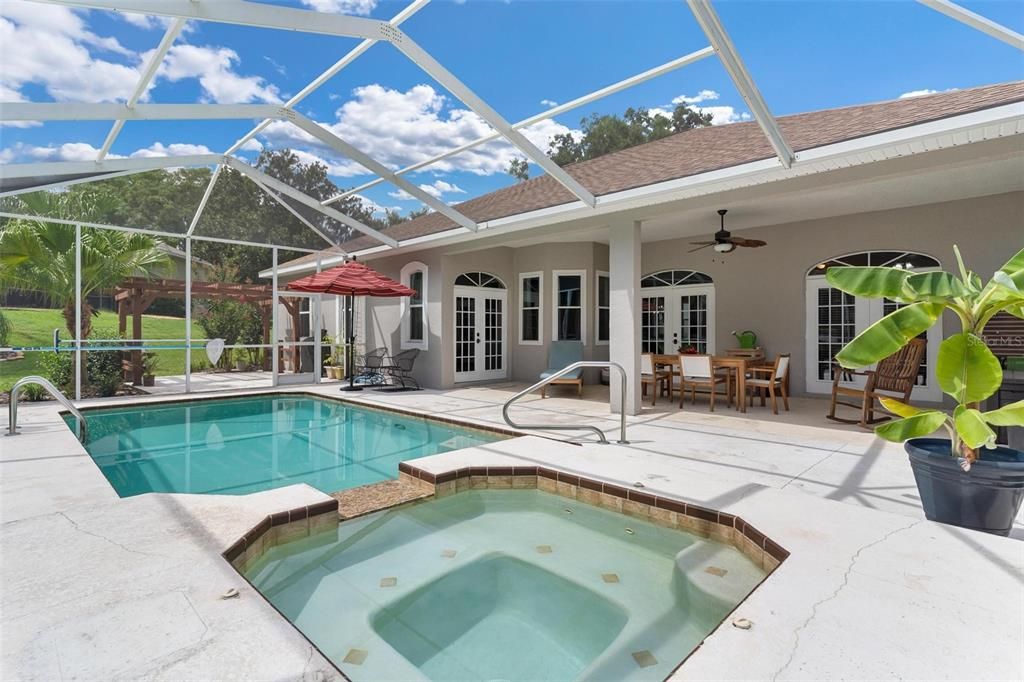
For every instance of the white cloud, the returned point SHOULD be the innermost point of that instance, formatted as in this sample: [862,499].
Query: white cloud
[362,7]
[52,46]
[702,96]
[721,114]
[83,151]
[923,92]
[213,66]
[436,189]
[173,149]
[252,145]
[374,206]
[548,103]
[69,151]
[400,128]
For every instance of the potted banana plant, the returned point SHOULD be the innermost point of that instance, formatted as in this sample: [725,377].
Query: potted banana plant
[965,479]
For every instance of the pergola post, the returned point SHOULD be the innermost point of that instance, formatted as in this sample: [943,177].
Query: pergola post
[136,336]
[624,341]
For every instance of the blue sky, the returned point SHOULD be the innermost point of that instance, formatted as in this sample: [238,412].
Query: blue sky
[520,56]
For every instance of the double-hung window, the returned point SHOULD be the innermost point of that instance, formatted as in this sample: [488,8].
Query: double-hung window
[531,293]
[570,298]
[414,311]
[603,328]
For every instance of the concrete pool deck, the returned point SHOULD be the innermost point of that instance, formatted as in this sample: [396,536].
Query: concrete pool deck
[96,587]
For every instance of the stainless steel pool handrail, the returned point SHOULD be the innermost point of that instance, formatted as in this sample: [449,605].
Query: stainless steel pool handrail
[572,427]
[12,410]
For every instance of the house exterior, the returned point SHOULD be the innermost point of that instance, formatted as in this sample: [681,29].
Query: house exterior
[896,183]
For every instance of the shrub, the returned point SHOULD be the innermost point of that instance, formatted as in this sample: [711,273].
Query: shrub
[33,393]
[104,372]
[60,369]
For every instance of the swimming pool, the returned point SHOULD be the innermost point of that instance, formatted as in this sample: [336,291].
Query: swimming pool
[243,445]
[504,585]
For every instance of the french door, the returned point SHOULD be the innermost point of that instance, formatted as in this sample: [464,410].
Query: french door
[481,322]
[674,317]
[834,318]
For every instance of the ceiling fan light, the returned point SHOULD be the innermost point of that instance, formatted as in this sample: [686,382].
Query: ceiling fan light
[725,247]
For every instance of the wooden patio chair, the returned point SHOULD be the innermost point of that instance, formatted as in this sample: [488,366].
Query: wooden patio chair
[772,379]
[561,354]
[696,370]
[657,379]
[893,377]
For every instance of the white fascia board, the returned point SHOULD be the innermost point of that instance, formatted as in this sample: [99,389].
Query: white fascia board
[244,14]
[50,168]
[340,145]
[976,21]
[80,111]
[303,198]
[967,128]
[439,73]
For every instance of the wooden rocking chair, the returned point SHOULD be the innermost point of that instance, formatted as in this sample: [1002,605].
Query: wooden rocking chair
[893,377]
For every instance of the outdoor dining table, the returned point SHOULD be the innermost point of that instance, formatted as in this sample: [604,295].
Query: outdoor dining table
[741,364]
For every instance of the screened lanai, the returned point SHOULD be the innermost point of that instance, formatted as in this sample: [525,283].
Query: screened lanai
[279,221]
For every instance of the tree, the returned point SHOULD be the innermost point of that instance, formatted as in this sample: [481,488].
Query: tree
[519,168]
[40,256]
[605,134]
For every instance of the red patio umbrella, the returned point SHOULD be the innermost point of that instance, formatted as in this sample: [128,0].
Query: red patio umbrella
[351,279]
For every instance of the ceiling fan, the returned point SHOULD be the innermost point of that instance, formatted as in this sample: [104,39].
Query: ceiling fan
[724,242]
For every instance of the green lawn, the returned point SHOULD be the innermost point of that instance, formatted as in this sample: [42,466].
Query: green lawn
[34,327]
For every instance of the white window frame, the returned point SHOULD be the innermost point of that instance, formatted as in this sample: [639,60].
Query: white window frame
[598,341]
[867,311]
[540,309]
[582,274]
[407,308]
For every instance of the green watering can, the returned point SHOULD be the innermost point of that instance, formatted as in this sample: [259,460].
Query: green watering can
[747,339]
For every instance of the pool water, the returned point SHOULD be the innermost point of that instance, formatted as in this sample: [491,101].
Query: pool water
[504,585]
[244,445]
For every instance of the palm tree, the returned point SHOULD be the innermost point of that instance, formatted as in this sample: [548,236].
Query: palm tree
[36,255]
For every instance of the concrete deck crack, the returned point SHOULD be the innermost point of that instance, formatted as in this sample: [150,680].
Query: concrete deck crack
[835,593]
[77,527]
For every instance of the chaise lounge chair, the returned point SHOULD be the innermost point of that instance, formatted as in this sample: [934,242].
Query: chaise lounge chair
[560,355]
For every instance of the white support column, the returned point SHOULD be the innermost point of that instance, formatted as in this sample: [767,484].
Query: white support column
[624,344]
[78,312]
[315,326]
[273,320]
[188,315]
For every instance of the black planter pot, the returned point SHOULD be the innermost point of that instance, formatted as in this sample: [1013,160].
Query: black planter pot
[986,498]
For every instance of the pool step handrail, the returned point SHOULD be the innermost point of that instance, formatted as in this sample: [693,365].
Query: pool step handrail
[572,427]
[12,410]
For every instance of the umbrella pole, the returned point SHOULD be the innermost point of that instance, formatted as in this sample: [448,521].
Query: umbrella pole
[350,347]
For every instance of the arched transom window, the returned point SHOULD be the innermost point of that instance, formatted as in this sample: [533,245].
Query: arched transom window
[834,317]
[677,312]
[674,278]
[479,279]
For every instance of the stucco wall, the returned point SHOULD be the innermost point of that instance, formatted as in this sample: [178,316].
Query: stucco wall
[761,289]
[764,288]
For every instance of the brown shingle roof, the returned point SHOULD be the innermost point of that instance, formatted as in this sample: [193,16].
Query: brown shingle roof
[706,149]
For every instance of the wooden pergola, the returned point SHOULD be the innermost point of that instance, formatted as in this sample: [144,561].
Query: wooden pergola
[135,295]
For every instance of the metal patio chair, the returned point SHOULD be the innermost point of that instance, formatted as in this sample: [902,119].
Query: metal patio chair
[371,371]
[399,368]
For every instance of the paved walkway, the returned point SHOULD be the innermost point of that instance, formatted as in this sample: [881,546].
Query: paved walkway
[97,587]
